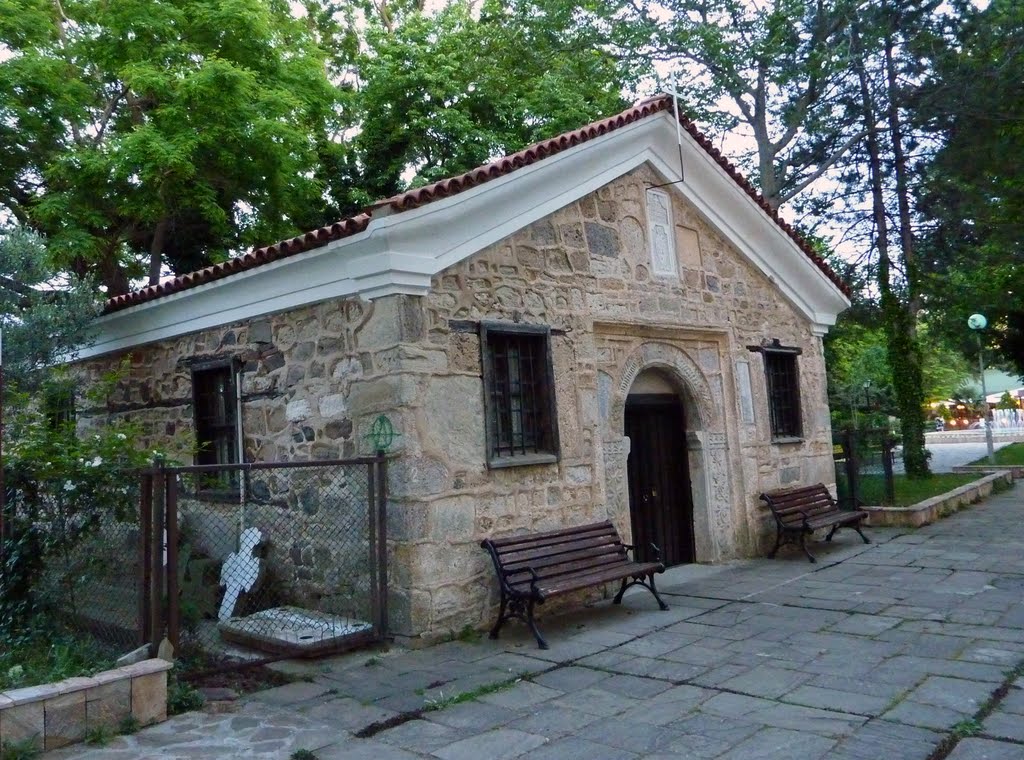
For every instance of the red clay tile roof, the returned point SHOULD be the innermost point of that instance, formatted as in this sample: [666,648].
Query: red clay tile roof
[446,187]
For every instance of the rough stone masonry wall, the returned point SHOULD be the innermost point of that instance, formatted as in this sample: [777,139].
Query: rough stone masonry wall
[312,382]
[585,271]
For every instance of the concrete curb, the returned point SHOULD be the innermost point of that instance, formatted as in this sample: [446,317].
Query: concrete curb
[937,507]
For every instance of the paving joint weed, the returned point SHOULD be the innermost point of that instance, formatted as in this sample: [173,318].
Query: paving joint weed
[972,726]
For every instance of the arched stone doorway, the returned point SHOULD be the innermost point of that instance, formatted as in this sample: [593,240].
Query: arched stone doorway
[658,471]
[707,459]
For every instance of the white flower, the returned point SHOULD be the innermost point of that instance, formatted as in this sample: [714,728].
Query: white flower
[15,673]
[69,486]
[122,437]
[96,462]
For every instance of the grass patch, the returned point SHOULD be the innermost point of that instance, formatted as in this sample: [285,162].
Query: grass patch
[43,655]
[26,749]
[965,728]
[99,736]
[469,696]
[908,492]
[1008,455]
[182,697]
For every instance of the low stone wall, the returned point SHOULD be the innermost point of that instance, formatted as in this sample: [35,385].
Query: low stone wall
[930,510]
[57,714]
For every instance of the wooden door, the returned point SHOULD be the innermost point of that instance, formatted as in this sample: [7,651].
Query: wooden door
[660,501]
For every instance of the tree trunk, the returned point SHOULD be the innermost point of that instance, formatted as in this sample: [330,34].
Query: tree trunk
[156,250]
[903,352]
[905,357]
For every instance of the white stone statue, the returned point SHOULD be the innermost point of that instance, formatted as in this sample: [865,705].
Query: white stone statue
[239,572]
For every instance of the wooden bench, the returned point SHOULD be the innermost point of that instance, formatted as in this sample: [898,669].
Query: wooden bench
[532,568]
[800,511]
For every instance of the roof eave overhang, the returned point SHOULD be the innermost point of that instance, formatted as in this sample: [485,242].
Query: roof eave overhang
[400,253]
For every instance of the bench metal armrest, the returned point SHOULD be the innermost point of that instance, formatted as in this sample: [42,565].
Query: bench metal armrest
[654,547]
[534,591]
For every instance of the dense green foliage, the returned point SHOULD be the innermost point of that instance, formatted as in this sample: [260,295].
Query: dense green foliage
[973,198]
[769,71]
[445,93]
[859,377]
[41,653]
[44,317]
[177,128]
[150,133]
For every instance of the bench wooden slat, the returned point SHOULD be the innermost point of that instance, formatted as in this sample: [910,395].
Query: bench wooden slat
[534,567]
[554,536]
[560,566]
[524,554]
[577,582]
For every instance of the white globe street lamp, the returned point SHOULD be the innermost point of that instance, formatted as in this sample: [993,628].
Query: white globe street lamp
[977,322]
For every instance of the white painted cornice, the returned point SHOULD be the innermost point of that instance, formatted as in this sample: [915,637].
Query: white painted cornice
[401,252]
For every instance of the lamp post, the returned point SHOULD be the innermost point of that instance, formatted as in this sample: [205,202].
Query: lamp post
[977,322]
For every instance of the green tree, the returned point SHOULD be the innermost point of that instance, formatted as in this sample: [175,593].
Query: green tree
[768,71]
[143,132]
[44,317]
[859,375]
[973,195]
[442,93]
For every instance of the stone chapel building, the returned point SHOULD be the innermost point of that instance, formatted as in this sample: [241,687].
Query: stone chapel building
[608,324]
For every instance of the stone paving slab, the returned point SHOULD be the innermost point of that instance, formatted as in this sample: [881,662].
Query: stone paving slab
[986,749]
[876,652]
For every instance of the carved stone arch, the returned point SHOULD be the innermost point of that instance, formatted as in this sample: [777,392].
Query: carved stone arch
[707,444]
[683,372]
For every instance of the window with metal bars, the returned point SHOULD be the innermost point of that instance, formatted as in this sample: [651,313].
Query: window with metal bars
[213,398]
[782,376]
[519,395]
[58,405]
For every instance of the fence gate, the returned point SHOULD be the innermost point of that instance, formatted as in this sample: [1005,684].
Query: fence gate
[865,466]
[281,558]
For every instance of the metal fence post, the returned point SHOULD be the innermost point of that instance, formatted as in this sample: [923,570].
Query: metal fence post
[852,467]
[173,616]
[146,558]
[374,549]
[157,586]
[887,466]
[382,537]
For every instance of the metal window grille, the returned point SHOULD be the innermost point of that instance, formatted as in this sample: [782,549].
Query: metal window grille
[521,417]
[216,420]
[213,391]
[783,378]
[59,406]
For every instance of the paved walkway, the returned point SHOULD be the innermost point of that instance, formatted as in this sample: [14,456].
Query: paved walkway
[877,652]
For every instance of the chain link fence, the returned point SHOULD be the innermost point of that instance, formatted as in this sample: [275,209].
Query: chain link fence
[275,558]
[234,563]
[865,460]
[72,563]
